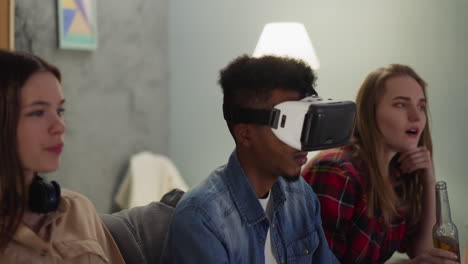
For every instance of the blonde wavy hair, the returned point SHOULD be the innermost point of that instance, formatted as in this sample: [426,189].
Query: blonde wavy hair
[368,141]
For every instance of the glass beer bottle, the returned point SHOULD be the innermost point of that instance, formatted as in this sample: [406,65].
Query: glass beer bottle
[444,233]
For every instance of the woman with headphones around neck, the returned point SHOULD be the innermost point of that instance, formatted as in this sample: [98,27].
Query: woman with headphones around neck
[39,223]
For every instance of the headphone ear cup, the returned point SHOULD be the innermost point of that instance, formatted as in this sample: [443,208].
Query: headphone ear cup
[55,198]
[35,192]
[44,197]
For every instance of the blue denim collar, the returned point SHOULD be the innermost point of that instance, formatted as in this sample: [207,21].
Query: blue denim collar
[244,195]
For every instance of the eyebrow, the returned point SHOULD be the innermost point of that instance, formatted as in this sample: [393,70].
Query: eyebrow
[407,98]
[43,103]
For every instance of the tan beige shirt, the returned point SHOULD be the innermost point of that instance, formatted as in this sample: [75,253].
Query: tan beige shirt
[73,234]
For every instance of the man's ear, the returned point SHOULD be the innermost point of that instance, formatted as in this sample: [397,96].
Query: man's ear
[242,133]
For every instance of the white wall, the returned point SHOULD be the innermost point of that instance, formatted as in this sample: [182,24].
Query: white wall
[351,39]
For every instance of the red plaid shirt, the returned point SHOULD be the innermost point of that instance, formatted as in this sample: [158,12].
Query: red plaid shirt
[339,180]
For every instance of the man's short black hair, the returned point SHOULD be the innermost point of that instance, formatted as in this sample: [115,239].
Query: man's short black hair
[248,81]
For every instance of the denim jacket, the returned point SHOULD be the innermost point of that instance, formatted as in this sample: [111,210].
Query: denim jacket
[222,221]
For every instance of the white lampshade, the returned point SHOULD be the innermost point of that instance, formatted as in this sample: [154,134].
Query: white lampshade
[287,39]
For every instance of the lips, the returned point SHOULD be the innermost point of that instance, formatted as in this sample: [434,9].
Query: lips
[56,149]
[300,158]
[412,131]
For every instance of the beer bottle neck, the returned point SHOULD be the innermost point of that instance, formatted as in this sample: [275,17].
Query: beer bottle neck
[442,205]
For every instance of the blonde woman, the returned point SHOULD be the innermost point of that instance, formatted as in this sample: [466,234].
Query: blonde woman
[377,193]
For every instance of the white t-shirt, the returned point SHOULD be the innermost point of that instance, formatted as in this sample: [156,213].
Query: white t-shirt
[269,258]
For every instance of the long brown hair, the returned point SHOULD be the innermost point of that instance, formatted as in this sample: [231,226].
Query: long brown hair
[369,144]
[15,69]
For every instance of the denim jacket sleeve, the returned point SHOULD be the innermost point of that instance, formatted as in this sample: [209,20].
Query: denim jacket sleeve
[193,238]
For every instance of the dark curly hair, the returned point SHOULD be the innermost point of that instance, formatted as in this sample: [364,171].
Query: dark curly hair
[248,81]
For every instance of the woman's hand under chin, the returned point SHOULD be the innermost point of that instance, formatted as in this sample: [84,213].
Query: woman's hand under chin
[418,159]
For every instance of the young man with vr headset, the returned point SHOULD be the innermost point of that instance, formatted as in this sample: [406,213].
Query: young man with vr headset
[257,208]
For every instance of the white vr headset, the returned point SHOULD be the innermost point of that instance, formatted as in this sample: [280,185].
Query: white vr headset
[310,124]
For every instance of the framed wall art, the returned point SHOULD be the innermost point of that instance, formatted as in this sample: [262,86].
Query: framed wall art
[77,24]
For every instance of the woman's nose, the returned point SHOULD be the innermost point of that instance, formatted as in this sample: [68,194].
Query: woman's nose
[414,114]
[58,126]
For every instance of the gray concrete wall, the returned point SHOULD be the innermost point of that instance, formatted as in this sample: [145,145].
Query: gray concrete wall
[351,38]
[117,96]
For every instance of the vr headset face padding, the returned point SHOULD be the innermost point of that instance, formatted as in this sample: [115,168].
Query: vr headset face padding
[44,197]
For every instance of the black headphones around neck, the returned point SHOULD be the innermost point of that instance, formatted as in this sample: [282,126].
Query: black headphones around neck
[44,197]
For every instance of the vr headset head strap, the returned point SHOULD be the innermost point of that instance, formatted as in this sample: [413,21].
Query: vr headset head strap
[252,116]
